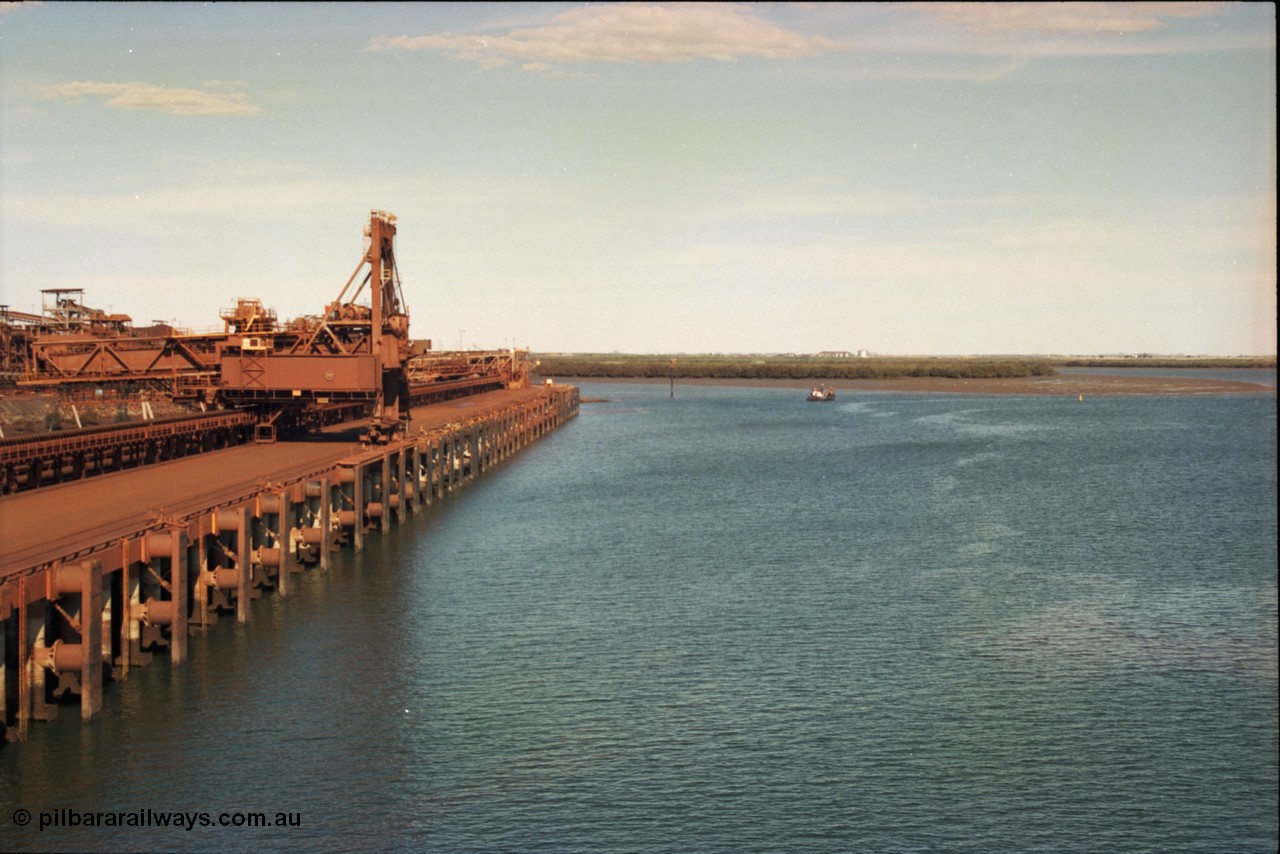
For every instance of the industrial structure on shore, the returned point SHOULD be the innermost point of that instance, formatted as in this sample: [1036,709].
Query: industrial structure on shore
[280,373]
[97,574]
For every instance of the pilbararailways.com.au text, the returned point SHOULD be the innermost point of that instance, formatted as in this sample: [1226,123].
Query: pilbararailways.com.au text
[186,820]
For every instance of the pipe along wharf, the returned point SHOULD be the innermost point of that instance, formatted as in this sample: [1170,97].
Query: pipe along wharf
[98,575]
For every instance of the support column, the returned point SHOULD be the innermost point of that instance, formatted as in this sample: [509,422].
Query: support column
[409,481]
[384,493]
[477,450]
[24,660]
[284,524]
[357,494]
[203,574]
[131,602]
[36,676]
[179,562]
[473,441]
[36,617]
[7,625]
[455,461]
[433,470]
[90,639]
[312,512]
[326,539]
[244,558]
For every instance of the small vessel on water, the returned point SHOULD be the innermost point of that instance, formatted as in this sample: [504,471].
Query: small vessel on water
[822,393]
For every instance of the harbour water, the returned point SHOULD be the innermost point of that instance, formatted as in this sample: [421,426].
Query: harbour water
[737,621]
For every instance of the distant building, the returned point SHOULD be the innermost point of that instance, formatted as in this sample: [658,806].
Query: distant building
[863,354]
[835,354]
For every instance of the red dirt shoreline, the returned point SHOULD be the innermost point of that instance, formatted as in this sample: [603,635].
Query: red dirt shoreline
[1062,385]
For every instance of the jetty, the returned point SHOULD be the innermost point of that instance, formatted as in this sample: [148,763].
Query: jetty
[100,575]
[284,442]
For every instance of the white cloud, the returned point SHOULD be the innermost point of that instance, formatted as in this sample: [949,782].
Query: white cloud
[1031,30]
[148,96]
[978,41]
[984,41]
[626,33]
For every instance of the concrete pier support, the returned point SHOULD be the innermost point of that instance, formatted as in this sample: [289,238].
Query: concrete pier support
[37,706]
[243,565]
[458,461]
[6,624]
[310,535]
[68,644]
[202,610]
[431,470]
[477,450]
[156,599]
[277,512]
[325,523]
[131,578]
[90,577]
[358,502]
[264,557]
[179,562]
[22,659]
[384,493]
[409,479]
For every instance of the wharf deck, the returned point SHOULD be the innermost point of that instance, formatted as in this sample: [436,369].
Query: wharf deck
[99,575]
[62,520]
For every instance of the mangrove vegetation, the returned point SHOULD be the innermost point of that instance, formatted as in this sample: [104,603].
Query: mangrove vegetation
[616,365]
[808,367]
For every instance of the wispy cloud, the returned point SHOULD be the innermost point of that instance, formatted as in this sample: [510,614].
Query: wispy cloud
[938,40]
[626,33]
[1030,30]
[1070,17]
[148,96]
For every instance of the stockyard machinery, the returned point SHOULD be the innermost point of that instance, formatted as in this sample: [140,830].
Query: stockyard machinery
[353,352]
[356,357]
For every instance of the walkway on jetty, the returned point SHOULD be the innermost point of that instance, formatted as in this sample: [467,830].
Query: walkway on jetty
[97,575]
[63,520]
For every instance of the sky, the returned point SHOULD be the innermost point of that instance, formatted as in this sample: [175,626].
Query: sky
[944,178]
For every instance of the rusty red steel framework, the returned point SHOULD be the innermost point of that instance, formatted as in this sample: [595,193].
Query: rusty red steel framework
[45,459]
[86,595]
[82,605]
[352,352]
[279,373]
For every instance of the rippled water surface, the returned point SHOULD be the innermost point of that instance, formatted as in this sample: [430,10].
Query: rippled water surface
[736,621]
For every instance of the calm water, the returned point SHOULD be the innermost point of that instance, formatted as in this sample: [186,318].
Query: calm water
[735,621]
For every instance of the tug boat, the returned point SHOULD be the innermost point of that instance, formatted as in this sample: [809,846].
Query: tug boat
[821,394]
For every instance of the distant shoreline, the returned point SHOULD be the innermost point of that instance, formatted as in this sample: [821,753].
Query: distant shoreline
[1061,385]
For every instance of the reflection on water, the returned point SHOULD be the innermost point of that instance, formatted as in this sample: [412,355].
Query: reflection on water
[735,622]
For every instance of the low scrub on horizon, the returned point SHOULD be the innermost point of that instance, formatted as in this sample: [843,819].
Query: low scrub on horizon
[783,367]
[1168,362]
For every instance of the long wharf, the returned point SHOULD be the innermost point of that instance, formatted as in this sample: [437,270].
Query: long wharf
[99,575]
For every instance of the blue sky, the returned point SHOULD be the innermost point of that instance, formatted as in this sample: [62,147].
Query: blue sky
[902,178]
